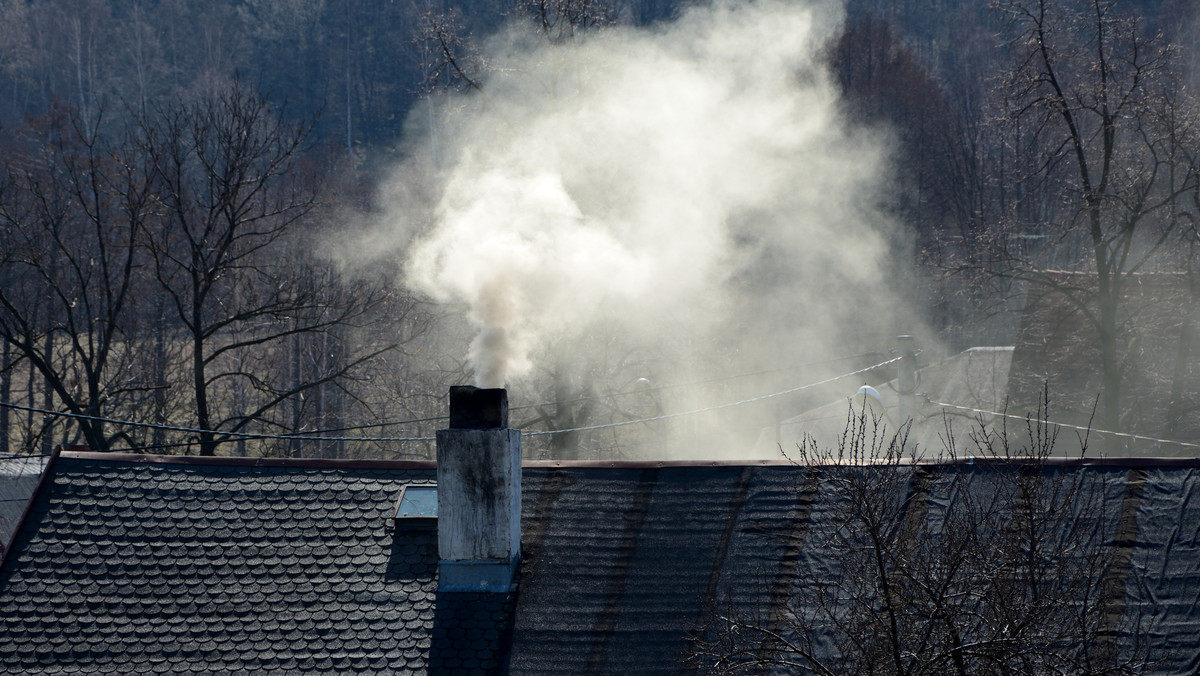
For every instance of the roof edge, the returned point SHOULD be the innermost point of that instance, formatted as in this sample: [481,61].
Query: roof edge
[923,462]
[330,463]
[33,497]
[235,461]
[655,464]
[238,461]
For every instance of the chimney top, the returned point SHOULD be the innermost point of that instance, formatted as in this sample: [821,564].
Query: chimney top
[475,408]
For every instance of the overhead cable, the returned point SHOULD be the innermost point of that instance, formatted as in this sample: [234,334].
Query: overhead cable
[718,407]
[707,381]
[318,435]
[227,436]
[1125,435]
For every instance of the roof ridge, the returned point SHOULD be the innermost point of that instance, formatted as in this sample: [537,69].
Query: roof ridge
[337,463]
[237,461]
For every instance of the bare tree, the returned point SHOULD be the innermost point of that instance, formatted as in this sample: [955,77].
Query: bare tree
[994,567]
[71,206]
[324,367]
[451,59]
[560,20]
[228,172]
[1103,137]
[447,55]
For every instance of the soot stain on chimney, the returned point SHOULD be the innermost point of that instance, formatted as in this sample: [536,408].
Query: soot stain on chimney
[475,408]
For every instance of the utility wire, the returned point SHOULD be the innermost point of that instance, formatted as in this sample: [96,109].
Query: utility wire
[351,428]
[1126,435]
[707,381]
[23,456]
[234,436]
[228,436]
[318,435]
[718,406]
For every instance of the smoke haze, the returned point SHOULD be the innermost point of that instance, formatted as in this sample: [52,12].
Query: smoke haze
[688,187]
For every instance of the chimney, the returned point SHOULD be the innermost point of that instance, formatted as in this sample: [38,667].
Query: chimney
[479,493]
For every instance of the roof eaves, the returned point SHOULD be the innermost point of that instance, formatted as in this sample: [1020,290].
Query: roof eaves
[234,461]
[652,464]
[328,463]
[1126,461]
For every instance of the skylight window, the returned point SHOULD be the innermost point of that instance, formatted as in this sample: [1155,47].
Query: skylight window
[417,505]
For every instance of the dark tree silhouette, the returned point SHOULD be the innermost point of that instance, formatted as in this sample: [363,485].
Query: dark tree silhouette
[228,174]
[1108,138]
[71,204]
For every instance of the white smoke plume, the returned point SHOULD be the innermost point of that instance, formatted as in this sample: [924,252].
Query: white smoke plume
[690,183]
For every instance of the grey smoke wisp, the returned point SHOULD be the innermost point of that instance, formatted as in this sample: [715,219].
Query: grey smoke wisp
[690,184]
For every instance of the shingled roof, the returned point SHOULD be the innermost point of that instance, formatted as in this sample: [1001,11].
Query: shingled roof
[150,565]
[137,564]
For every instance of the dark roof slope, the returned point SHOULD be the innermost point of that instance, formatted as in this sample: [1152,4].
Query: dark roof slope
[1165,594]
[619,563]
[134,567]
[621,566]
[184,567]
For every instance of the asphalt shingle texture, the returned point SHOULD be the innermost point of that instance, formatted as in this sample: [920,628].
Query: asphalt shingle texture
[168,568]
[620,564]
[141,567]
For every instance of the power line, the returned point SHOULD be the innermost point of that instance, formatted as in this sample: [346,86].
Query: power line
[233,436]
[718,406]
[1126,435]
[707,381]
[23,456]
[368,426]
[227,436]
[320,435]
[315,434]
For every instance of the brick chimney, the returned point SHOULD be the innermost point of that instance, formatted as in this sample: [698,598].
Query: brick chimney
[479,493]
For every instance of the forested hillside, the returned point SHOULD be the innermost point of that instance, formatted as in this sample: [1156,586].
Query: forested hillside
[176,174]
[359,65]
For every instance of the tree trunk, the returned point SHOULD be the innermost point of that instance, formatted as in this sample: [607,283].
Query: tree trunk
[297,405]
[208,444]
[5,395]
[1108,299]
[48,403]
[160,376]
